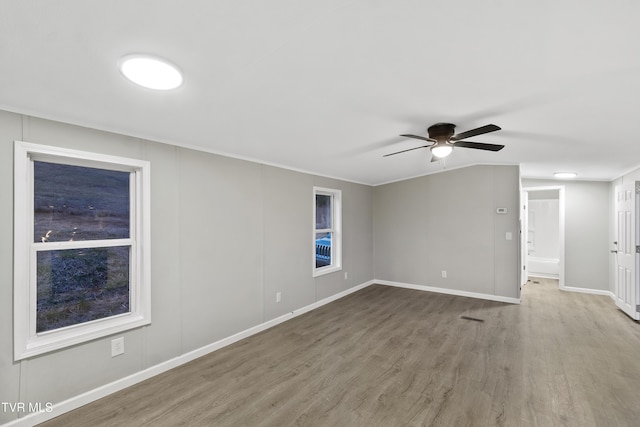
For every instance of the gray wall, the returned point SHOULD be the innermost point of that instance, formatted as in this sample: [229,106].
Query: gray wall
[448,221]
[226,236]
[587,240]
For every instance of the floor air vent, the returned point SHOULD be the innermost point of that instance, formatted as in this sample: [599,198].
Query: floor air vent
[475,319]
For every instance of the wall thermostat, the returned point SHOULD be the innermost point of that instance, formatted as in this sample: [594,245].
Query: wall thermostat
[501,210]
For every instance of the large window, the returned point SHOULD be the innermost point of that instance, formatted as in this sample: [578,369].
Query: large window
[81,247]
[327,233]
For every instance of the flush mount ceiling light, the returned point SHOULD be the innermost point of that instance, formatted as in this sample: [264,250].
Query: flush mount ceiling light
[565,174]
[150,72]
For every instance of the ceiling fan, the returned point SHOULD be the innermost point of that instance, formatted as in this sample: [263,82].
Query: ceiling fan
[443,140]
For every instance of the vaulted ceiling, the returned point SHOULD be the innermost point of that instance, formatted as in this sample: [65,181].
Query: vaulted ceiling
[328,86]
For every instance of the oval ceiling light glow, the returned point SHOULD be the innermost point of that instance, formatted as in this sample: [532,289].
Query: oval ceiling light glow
[441,151]
[150,72]
[565,174]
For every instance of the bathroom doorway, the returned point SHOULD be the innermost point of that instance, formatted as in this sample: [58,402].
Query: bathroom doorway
[543,233]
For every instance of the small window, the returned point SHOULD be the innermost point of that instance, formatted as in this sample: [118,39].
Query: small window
[327,236]
[81,247]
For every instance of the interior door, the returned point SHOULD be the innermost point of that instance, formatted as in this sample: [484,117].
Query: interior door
[524,232]
[626,257]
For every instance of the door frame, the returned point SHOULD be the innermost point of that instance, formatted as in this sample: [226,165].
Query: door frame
[561,231]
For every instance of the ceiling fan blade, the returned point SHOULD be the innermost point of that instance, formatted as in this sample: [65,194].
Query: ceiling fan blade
[404,151]
[477,131]
[424,138]
[479,145]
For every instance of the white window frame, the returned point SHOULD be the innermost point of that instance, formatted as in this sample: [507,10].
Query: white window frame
[29,343]
[336,231]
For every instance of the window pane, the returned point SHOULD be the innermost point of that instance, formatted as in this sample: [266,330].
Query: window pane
[79,203]
[323,211]
[79,285]
[323,249]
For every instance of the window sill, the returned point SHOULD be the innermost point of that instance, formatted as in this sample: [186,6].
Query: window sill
[326,270]
[65,337]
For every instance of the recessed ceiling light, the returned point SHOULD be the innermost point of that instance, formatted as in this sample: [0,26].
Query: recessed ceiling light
[150,72]
[565,174]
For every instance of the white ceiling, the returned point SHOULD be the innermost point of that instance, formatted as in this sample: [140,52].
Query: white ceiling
[328,86]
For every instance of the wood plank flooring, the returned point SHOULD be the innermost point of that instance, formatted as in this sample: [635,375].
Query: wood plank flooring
[392,357]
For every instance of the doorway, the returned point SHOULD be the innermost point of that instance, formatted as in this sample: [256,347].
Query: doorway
[543,235]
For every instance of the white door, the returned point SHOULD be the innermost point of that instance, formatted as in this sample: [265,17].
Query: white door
[524,232]
[626,285]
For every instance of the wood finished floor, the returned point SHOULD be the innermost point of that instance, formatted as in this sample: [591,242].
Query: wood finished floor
[392,357]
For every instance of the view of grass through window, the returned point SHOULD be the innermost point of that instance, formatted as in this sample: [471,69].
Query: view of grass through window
[80,204]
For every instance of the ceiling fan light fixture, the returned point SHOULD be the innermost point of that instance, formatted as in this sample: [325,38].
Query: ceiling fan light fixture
[150,72]
[441,136]
[565,175]
[441,151]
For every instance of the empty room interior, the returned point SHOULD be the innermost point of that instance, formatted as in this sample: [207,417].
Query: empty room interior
[319,213]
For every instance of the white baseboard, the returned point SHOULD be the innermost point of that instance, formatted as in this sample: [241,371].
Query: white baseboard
[75,402]
[545,276]
[450,291]
[588,291]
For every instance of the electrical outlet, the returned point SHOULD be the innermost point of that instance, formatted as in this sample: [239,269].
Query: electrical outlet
[444,274]
[278,296]
[346,275]
[117,347]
